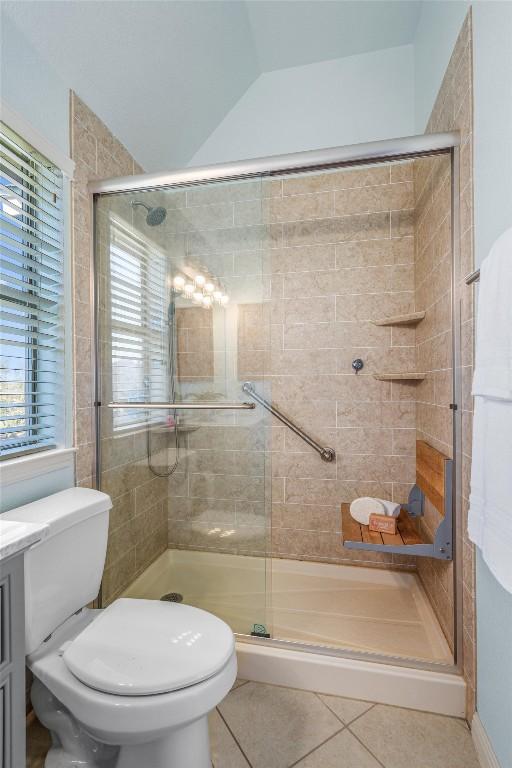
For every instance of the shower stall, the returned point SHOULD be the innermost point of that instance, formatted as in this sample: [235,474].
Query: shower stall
[275,338]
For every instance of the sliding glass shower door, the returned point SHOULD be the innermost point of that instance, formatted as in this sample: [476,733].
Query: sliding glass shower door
[182,322]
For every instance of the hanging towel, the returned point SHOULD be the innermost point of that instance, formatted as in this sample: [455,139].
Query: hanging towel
[490,506]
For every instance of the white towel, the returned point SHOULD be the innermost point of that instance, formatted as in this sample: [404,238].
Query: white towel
[490,511]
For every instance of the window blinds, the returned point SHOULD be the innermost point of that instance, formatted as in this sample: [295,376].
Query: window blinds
[31,297]
[139,306]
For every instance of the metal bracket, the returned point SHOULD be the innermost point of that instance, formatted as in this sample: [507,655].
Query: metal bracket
[415,503]
[443,543]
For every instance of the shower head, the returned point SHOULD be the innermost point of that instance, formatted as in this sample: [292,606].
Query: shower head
[155,215]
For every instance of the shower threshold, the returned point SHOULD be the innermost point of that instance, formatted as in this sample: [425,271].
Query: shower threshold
[323,609]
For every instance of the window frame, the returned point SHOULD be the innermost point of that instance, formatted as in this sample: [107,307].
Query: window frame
[40,459]
[125,421]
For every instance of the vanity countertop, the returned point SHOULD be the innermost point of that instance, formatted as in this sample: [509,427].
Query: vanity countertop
[16,536]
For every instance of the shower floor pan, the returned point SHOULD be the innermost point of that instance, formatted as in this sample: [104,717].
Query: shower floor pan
[337,607]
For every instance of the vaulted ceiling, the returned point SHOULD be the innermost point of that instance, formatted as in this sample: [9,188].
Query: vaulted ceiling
[163,73]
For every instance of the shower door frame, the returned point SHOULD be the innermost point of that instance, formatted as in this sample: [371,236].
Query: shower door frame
[406,148]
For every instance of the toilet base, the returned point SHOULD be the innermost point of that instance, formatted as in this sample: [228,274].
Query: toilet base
[71,745]
[188,745]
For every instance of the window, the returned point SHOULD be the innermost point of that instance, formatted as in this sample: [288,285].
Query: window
[139,307]
[31,297]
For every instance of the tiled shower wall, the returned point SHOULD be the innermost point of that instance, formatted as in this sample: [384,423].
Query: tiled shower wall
[341,255]
[453,110]
[346,260]
[137,522]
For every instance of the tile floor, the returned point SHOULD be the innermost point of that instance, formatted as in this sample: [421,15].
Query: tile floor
[265,726]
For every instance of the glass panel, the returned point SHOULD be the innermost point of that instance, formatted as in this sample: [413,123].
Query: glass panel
[283,283]
[183,317]
[360,245]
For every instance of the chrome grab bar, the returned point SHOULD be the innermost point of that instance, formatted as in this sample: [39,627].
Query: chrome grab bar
[327,454]
[185,406]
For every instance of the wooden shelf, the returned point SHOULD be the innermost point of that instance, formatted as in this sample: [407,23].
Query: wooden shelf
[399,376]
[413,318]
[354,532]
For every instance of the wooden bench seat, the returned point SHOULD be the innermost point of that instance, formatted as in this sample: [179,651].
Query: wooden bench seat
[354,531]
[433,482]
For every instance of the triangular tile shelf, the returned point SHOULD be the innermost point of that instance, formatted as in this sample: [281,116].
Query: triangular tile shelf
[413,318]
[399,376]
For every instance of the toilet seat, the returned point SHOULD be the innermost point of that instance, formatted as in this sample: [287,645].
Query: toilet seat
[144,647]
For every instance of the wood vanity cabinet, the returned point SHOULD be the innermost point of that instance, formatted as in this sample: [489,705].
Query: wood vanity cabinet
[12,663]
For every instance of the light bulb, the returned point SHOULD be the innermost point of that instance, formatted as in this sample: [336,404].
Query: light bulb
[224,300]
[188,289]
[198,296]
[179,282]
[200,280]
[207,301]
[217,295]
[209,287]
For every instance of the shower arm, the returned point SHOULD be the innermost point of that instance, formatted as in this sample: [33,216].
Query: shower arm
[326,454]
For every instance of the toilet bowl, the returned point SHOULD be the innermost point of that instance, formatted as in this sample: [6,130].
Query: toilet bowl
[158,721]
[128,686]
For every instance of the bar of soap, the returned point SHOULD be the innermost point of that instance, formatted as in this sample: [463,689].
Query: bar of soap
[382,524]
[362,508]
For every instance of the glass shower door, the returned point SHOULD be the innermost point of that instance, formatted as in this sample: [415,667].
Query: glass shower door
[183,319]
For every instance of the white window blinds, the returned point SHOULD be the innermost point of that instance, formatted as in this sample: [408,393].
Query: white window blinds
[140,324]
[31,294]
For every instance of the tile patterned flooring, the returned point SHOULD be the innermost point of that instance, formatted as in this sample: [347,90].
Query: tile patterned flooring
[266,726]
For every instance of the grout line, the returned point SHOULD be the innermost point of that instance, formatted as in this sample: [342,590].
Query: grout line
[365,746]
[374,704]
[328,707]
[234,737]
[244,682]
[312,751]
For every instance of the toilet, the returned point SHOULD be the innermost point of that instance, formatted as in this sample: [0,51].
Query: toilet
[127,686]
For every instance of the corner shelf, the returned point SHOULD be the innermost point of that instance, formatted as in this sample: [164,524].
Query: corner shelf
[399,376]
[413,318]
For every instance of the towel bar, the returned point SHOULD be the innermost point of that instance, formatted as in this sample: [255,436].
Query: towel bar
[473,277]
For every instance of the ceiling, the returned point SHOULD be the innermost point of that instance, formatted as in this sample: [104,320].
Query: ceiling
[163,74]
[288,33]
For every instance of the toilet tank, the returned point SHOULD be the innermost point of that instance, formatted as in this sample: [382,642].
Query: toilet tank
[63,571]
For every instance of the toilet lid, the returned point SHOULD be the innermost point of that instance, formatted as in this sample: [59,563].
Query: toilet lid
[138,647]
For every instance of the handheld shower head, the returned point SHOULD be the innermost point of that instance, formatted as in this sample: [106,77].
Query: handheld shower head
[155,215]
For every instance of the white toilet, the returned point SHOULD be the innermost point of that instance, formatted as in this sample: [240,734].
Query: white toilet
[129,686]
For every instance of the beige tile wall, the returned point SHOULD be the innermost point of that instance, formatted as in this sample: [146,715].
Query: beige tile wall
[138,530]
[453,110]
[342,253]
[346,259]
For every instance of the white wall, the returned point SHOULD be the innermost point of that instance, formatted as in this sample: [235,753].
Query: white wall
[32,88]
[492,72]
[438,27]
[492,25]
[343,101]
